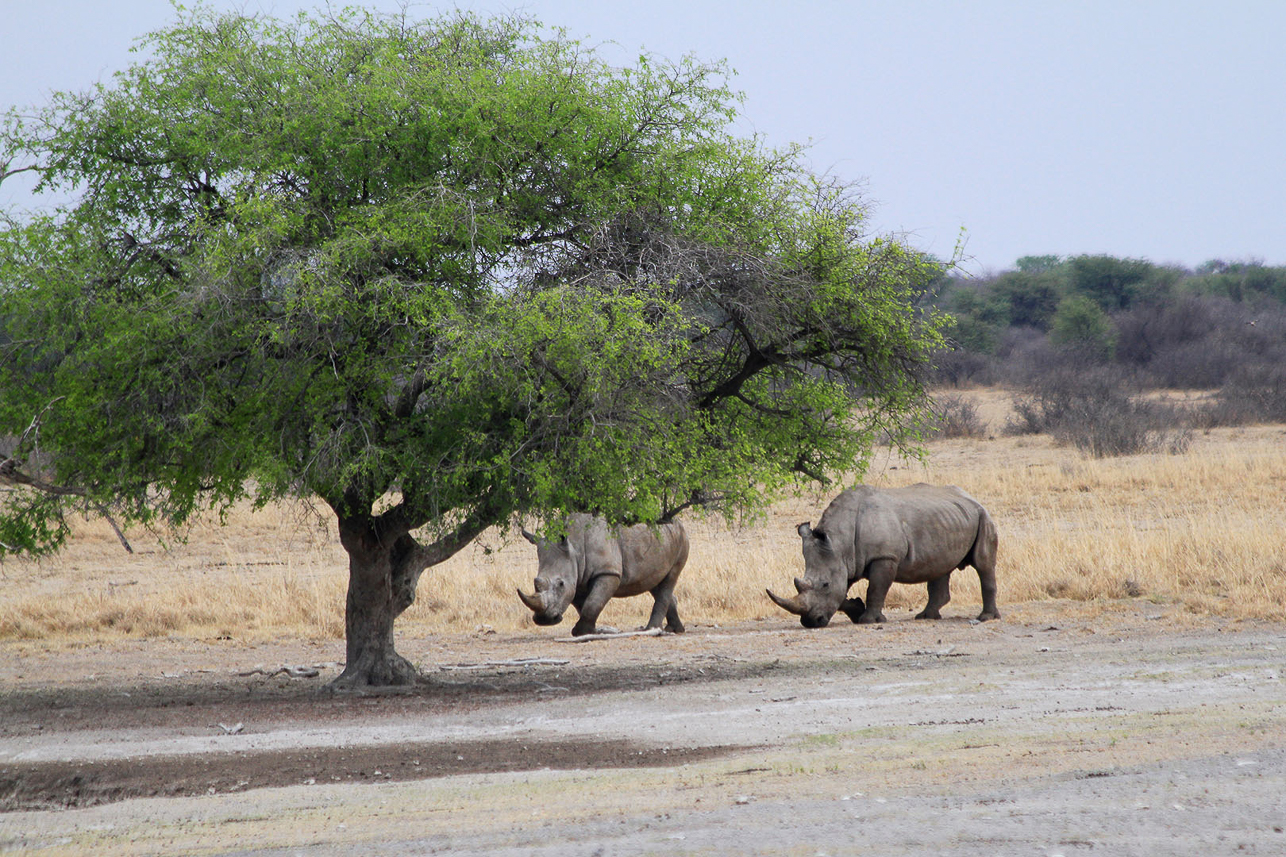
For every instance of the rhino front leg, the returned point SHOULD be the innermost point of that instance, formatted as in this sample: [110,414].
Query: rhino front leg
[879,576]
[853,608]
[939,595]
[601,590]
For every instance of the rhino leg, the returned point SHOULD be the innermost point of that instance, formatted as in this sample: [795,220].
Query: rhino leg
[988,581]
[601,590]
[666,606]
[853,608]
[983,558]
[879,575]
[673,623]
[939,595]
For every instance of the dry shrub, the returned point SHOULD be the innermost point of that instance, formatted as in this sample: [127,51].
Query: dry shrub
[956,416]
[1254,394]
[1097,412]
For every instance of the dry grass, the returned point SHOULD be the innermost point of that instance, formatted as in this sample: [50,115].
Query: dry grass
[1201,531]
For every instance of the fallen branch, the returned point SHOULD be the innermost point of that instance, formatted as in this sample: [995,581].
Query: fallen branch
[292,671]
[515,662]
[589,638]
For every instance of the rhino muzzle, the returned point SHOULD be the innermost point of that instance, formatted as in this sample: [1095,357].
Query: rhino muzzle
[538,605]
[809,616]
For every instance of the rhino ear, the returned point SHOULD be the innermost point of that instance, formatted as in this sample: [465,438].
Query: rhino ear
[804,530]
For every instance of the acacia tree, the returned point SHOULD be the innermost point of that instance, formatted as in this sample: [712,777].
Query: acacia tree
[437,274]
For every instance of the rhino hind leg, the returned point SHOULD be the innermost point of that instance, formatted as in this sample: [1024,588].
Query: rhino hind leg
[939,595]
[665,607]
[987,580]
[673,623]
[983,558]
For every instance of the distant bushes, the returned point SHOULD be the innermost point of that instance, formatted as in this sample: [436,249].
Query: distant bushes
[1081,337]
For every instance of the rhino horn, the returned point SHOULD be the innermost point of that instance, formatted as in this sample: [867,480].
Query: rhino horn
[534,602]
[528,536]
[801,585]
[791,605]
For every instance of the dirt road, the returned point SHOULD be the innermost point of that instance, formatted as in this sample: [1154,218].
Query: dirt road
[1053,731]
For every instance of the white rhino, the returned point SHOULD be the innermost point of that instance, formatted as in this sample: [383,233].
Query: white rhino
[917,534]
[594,563]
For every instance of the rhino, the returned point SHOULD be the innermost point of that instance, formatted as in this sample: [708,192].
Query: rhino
[917,534]
[593,564]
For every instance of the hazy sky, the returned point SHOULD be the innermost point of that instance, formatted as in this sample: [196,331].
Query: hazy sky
[1143,128]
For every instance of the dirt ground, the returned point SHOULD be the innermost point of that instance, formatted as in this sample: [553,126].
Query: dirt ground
[1120,728]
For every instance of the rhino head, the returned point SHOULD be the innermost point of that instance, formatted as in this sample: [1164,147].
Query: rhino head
[556,578]
[822,589]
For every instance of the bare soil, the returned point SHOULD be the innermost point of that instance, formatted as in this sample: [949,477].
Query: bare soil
[1064,728]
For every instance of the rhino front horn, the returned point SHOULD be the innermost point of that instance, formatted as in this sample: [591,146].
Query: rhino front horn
[791,605]
[534,602]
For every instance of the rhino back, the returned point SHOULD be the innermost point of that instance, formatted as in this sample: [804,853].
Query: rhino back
[928,530]
[648,553]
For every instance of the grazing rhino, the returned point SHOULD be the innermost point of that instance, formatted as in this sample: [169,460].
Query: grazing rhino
[917,534]
[592,564]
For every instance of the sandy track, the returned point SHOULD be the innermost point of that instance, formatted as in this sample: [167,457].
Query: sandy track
[1050,732]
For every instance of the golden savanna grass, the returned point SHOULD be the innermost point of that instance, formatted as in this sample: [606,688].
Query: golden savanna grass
[1200,532]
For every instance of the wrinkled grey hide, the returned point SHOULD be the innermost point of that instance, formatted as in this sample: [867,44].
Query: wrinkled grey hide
[917,534]
[595,563]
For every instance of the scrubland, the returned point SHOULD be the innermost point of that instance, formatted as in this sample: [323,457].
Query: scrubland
[1201,530]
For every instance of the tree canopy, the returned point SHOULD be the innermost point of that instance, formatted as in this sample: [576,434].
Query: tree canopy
[438,274]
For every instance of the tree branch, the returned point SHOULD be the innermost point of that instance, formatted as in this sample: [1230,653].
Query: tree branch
[10,473]
[5,172]
[695,499]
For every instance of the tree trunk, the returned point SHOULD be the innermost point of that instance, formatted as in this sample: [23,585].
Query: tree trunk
[384,566]
[382,575]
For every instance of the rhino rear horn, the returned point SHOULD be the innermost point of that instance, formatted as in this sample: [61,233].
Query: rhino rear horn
[801,585]
[791,605]
[534,602]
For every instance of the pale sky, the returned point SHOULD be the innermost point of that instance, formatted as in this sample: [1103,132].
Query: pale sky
[1143,128]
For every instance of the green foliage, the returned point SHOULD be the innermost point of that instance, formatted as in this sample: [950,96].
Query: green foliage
[1112,283]
[437,274]
[979,319]
[1241,281]
[1038,264]
[1030,298]
[1081,324]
